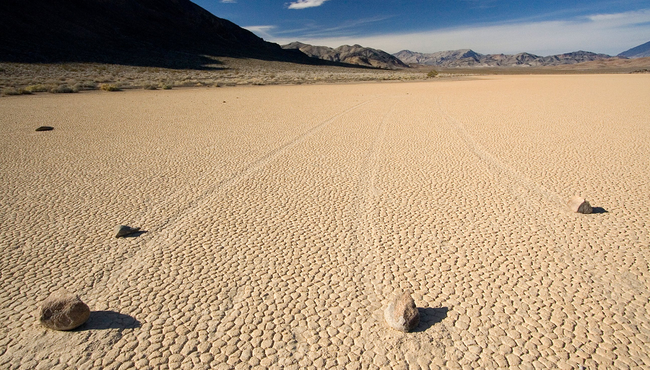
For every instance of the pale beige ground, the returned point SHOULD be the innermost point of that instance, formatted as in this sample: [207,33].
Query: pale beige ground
[281,219]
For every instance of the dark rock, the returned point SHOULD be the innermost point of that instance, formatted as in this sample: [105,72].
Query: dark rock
[401,314]
[45,128]
[63,310]
[579,205]
[123,230]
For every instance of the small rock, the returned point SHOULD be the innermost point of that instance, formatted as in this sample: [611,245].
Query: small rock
[401,314]
[579,205]
[123,230]
[63,310]
[45,128]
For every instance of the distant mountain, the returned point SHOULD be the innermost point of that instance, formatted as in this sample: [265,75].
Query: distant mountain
[355,54]
[470,58]
[441,58]
[616,65]
[640,51]
[173,33]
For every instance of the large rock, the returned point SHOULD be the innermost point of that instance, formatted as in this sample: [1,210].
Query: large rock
[579,205]
[123,230]
[401,314]
[63,310]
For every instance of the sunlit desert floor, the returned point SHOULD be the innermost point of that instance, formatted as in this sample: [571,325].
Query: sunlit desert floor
[281,220]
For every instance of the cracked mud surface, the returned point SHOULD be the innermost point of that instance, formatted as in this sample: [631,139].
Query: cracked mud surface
[279,224]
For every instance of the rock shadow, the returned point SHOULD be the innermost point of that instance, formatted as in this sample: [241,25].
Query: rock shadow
[598,210]
[430,316]
[135,234]
[103,320]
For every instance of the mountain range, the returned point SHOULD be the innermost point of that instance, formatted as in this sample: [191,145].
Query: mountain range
[365,56]
[470,58]
[355,54]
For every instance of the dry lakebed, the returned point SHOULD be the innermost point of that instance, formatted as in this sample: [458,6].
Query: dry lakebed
[278,222]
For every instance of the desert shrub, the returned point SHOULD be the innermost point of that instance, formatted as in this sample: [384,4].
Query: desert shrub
[165,86]
[70,67]
[63,89]
[109,87]
[432,73]
[12,91]
[186,83]
[150,87]
[87,85]
[37,88]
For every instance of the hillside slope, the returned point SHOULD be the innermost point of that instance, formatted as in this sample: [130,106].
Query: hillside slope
[355,54]
[138,32]
[640,51]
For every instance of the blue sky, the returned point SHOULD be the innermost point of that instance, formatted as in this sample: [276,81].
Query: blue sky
[541,27]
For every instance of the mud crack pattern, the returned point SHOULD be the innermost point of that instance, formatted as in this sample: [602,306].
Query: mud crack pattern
[281,223]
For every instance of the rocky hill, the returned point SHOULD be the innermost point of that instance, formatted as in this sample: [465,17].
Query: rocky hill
[470,58]
[640,51]
[441,58]
[355,54]
[171,33]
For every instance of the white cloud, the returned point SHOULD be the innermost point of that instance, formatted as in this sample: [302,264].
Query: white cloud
[602,33]
[621,19]
[481,4]
[229,1]
[261,31]
[302,4]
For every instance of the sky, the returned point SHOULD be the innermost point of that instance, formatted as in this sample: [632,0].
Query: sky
[542,27]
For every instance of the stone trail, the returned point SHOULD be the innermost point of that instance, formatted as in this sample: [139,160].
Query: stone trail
[277,234]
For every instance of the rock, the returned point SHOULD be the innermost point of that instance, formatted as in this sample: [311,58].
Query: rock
[63,310]
[401,314]
[122,231]
[579,205]
[45,128]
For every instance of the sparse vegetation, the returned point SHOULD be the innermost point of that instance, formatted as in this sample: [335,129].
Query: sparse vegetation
[23,78]
[150,87]
[432,73]
[38,88]
[63,89]
[109,87]
[12,91]
[87,85]
[225,72]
